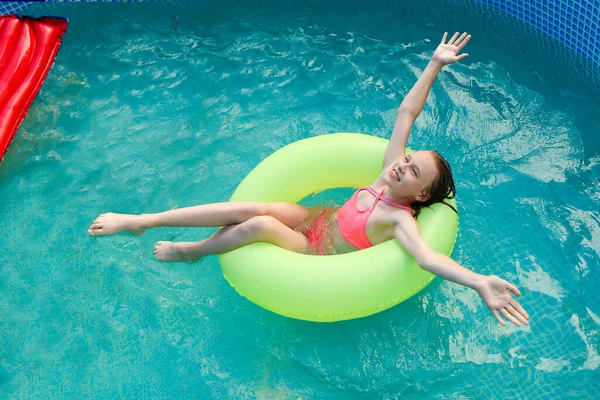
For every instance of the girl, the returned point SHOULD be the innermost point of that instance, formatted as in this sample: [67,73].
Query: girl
[375,214]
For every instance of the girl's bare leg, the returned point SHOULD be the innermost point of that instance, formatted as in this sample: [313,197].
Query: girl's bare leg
[217,214]
[256,229]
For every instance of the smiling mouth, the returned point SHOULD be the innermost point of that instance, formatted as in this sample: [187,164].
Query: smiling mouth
[394,174]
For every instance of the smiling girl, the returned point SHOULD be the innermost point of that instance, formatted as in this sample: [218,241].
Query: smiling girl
[384,210]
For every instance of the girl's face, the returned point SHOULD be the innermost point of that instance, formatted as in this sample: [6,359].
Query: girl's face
[409,178]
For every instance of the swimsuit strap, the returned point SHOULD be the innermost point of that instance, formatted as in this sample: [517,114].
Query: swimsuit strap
[372,206]
[375,200]
[385,199]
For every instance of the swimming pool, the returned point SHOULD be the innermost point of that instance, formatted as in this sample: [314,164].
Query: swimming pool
[135,118]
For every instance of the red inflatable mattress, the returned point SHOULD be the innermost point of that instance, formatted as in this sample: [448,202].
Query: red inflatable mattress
[28,47]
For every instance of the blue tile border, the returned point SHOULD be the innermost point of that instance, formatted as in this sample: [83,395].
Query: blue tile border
[575,23]
[13,7]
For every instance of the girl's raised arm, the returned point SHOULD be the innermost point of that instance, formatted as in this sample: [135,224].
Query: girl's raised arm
[412,105]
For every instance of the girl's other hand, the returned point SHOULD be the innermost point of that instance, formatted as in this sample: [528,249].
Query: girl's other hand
[447,53]
[496,293]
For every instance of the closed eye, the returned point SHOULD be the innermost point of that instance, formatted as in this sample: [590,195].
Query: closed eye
[414,170]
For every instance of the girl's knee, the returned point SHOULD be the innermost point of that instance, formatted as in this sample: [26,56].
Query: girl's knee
[260,225]
[265,228]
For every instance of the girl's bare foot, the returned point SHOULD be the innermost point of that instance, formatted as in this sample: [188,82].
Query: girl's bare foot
[111,223]
[173,252]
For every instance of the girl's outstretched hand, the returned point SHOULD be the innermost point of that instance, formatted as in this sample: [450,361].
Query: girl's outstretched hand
[495,292]
[446,53]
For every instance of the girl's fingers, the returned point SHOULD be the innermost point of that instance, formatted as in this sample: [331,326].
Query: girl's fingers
[498,317]
[520,309]
[464,42]
[444,38]
[460,39]
[453,38]
[462,56]
[509,317]
[516,313]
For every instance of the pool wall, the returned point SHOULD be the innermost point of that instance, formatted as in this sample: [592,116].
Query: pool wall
[575,23]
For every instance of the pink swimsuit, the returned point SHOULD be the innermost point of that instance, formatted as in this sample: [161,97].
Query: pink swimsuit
[352,222]
[316,232]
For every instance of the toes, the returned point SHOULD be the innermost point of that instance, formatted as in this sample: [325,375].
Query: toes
[97,221]
[95,229]
[100,217]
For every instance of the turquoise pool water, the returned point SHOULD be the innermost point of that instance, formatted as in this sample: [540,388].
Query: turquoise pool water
[135,118]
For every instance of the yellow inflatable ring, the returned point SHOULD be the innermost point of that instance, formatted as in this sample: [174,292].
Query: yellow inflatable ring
[338,287]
